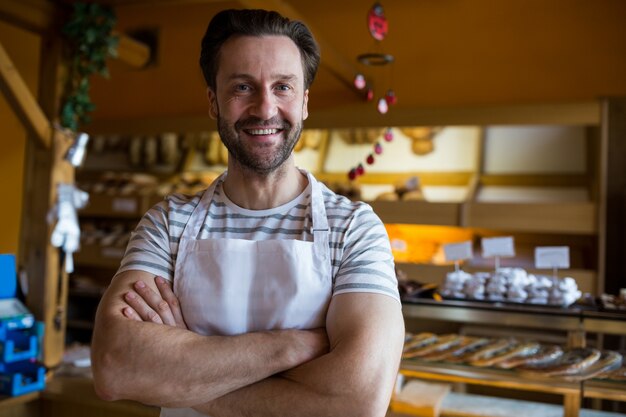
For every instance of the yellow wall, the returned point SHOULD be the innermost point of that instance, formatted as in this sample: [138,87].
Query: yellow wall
[23,49]
[448,53]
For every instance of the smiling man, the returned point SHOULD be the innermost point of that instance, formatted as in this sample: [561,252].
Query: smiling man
[266,294]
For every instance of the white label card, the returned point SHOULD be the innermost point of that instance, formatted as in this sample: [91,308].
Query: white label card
[548,257]
[498,246]
[458,251]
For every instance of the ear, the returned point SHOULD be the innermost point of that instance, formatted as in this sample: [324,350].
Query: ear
[305,105]
[213,109]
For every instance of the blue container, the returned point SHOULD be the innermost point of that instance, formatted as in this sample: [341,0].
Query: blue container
[8,277]
[21,378]
[19,345]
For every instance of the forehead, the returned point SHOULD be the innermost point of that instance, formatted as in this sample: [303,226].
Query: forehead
[259,56]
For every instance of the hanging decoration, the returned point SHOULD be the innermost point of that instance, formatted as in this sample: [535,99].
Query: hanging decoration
[378,27]
[90,42]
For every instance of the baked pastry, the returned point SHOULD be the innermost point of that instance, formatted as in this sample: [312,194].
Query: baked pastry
[511,351]
[440,343]
[545,354]
[609,361]
[572,362]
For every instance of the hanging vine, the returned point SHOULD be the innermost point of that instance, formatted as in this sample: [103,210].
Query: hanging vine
[89,37]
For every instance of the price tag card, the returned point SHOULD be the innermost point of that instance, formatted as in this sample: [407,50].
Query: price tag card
[458,251]
[498,246]
[548,257]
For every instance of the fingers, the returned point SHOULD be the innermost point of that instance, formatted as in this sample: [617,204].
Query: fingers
[149,305]
[130,313]
[165,288]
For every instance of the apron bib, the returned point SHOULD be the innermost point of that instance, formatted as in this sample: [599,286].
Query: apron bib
[234,286]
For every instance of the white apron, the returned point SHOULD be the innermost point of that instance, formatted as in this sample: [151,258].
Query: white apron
[234,286]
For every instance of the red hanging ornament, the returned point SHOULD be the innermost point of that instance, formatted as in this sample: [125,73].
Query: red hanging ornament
[352,174]
[377,22]
[388,135]
[378,148]
[360,170]
[370,94]
[370,159]
[390,97]
[359,81]
[382,106]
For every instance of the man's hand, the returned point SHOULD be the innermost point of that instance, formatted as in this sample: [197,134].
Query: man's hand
[147,305]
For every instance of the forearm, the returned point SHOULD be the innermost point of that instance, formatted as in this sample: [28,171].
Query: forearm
[313,391]
[166,366]
[356,378]
[169,366]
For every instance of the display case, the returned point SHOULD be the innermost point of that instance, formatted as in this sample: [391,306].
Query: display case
[575,322]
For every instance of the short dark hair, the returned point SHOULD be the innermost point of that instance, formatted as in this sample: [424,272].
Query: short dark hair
[254,22]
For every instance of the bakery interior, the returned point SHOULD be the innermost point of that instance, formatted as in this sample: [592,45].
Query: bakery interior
[480,121]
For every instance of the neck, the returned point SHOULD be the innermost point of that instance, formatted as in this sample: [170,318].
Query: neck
[255,191]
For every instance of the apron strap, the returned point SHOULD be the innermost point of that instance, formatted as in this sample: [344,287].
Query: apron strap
[319,226]
[198,216]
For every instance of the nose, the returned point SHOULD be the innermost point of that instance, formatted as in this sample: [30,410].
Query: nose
[264,104]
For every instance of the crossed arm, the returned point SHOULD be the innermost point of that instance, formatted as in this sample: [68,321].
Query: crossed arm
[287,372]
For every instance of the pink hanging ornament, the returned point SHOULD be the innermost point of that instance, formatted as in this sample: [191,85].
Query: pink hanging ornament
[378,148]
[382,106]
[359,81]
[388,135]
[390,97]
[370,159]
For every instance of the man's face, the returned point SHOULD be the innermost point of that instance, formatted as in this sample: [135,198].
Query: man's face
[260,101]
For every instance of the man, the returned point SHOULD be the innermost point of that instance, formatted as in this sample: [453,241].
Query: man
[267,294]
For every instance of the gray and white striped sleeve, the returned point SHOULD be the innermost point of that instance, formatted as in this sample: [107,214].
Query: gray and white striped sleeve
[149,247]
[367,263]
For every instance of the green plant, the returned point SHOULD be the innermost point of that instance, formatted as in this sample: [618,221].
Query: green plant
[91,43]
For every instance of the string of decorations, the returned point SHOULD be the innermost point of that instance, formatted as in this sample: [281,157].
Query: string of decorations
[378,28]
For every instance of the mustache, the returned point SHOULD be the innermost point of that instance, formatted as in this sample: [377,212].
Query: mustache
[257,122]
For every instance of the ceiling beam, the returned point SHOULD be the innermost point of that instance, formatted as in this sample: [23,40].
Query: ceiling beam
[41,16]
[32,15]
[22,100]
[341,68]
[132,52]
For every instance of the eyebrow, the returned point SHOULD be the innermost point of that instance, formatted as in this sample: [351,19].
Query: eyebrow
[281,77]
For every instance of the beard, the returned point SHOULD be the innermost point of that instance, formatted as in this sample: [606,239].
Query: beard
[259,162]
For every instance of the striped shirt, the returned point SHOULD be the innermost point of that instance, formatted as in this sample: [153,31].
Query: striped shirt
[358,243]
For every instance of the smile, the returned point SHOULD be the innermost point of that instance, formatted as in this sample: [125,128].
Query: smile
[261,131]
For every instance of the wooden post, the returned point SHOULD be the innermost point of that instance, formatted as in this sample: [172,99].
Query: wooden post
[613,196]
[44,170]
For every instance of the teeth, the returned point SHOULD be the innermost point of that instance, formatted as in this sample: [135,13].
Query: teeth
[262,131]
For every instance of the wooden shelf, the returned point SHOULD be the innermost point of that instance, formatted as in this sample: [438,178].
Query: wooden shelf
[417,212]
[6,402]
[75,396]
[569,218]
[118,206]
[607,390]
[99,256]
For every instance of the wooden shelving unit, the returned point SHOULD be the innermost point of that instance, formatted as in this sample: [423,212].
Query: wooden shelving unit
[575,322]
